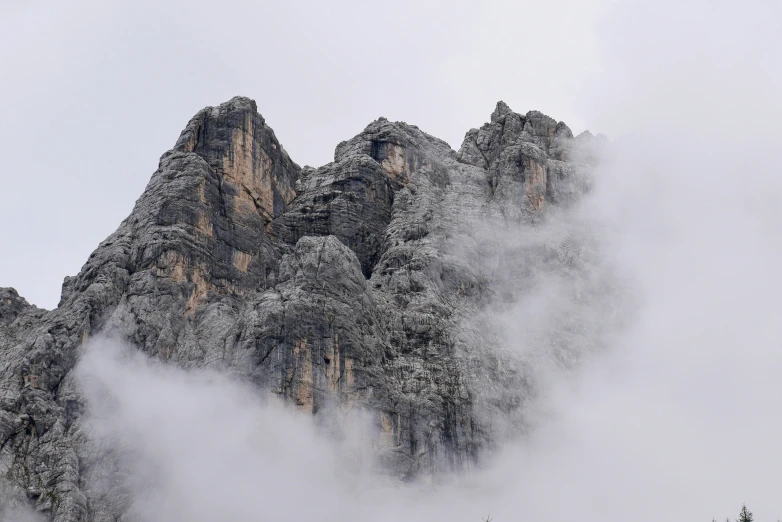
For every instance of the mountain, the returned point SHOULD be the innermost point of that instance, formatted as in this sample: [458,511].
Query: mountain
[368,283]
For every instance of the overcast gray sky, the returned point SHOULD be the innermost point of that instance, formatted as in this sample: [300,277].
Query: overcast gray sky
[94,92]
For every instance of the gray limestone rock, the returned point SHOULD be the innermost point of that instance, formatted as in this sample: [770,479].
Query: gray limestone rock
[364,283]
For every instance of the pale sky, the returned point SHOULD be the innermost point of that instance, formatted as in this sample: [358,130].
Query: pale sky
[94,93]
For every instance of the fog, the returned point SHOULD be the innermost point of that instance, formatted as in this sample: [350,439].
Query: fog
[13,507]
[675,417]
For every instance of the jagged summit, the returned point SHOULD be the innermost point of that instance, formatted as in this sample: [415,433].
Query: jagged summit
[500,110]
[12,305]
[235,141]
[359,284]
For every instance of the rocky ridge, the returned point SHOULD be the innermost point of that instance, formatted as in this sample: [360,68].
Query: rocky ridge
[363,283]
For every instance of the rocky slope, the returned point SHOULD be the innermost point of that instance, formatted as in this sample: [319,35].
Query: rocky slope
[364,283]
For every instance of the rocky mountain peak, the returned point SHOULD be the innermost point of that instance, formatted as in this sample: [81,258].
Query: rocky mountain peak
[235,141]
[11,305]
[501,110]
[358,285]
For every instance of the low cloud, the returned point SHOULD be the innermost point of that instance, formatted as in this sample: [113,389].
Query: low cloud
[14,506]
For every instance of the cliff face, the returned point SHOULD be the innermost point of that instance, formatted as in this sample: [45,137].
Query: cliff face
[359,284]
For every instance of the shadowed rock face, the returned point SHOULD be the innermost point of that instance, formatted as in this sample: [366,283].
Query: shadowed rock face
[356,285]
